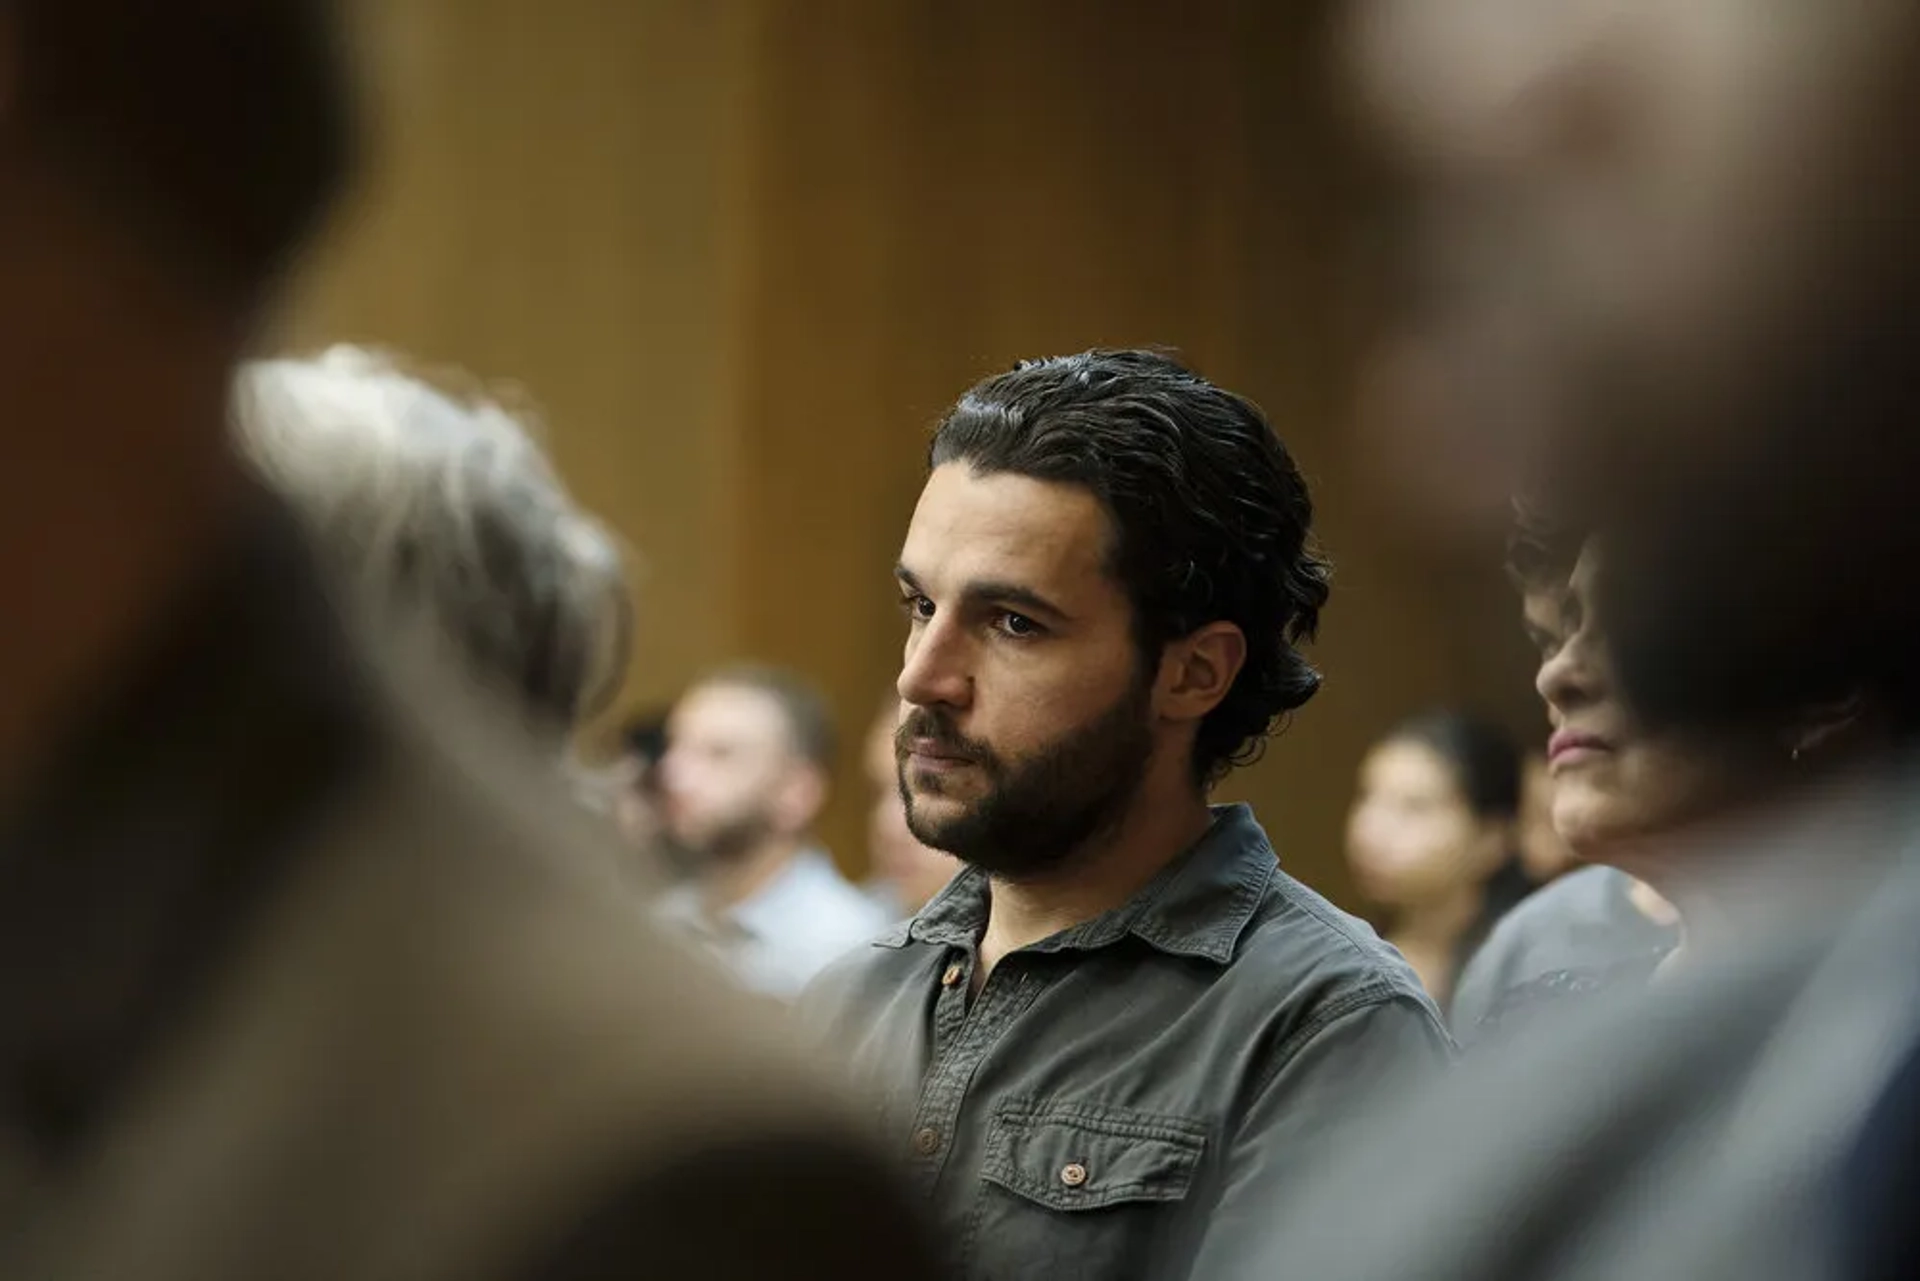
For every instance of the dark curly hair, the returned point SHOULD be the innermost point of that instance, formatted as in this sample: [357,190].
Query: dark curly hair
[1212,519]
[1483,757]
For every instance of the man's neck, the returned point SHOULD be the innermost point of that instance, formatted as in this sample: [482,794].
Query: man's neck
[1097,879]
[732,882]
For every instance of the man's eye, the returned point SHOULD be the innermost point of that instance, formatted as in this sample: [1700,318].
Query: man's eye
[1018,626]
[917,607]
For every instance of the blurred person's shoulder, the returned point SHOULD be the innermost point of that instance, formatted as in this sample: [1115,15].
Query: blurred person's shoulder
[457,1018]
[569,929]
[699,1138]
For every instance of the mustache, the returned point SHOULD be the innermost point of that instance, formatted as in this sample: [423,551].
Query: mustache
[923,724]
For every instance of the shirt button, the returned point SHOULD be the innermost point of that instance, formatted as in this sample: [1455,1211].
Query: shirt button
[927,1142]
[952,976]
[1073,1175]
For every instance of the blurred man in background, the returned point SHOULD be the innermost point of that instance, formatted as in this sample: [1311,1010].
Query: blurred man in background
[1121,1008]
[1702,214]
[748,766]
[306,972]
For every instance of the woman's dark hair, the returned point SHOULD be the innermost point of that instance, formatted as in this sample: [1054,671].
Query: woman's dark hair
[1211,517]
[1543,545]
[1486,764]
[1483,757]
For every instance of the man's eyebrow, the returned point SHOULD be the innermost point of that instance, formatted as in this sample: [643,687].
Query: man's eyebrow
[994,591]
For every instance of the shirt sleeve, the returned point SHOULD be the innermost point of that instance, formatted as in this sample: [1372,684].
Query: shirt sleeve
[1305,1116]
[776,1209]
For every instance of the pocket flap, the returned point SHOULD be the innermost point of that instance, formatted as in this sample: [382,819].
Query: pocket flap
[1083,1157]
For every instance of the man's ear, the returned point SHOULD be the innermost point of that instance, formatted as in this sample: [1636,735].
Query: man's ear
[1198,670]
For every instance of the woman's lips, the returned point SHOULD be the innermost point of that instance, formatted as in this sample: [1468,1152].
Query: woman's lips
[1568,746]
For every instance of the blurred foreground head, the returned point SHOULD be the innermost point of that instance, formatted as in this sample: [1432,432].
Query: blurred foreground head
[1678,235]
[437,508]
[161,165]
[205,138]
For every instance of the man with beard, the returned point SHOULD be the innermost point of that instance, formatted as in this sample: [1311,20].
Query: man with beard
[1704,215]
[745,774]
[1121,1007]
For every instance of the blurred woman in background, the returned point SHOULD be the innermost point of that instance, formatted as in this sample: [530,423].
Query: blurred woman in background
[1431,838]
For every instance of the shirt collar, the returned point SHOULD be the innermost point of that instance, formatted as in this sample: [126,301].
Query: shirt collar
[1198,906]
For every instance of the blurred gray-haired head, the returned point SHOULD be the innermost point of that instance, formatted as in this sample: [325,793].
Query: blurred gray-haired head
[437,510]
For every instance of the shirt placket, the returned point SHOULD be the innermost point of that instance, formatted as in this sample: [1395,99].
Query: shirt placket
[963,1033]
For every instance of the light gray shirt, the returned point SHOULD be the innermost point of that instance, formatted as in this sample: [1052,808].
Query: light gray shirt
[794,926]
[1581,933]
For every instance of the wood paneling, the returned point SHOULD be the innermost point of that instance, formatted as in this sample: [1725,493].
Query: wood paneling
[746,252]
[555,204]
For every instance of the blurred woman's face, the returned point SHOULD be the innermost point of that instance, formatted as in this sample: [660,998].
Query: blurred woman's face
[1412,838]
[1613,783]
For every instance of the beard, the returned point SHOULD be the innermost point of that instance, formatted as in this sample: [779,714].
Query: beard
[1042,809]
[719,844]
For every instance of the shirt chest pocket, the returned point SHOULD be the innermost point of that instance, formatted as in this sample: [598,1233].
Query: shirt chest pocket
[1081,1190]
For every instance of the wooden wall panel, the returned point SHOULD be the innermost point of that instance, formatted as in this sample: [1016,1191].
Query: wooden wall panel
[555,203]
[746,252]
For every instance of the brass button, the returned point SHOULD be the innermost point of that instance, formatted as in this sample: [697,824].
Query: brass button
[952,976]
[927,1142]
[1074,1175]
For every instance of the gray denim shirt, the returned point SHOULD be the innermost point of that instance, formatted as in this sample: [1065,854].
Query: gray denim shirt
[1100,1107]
